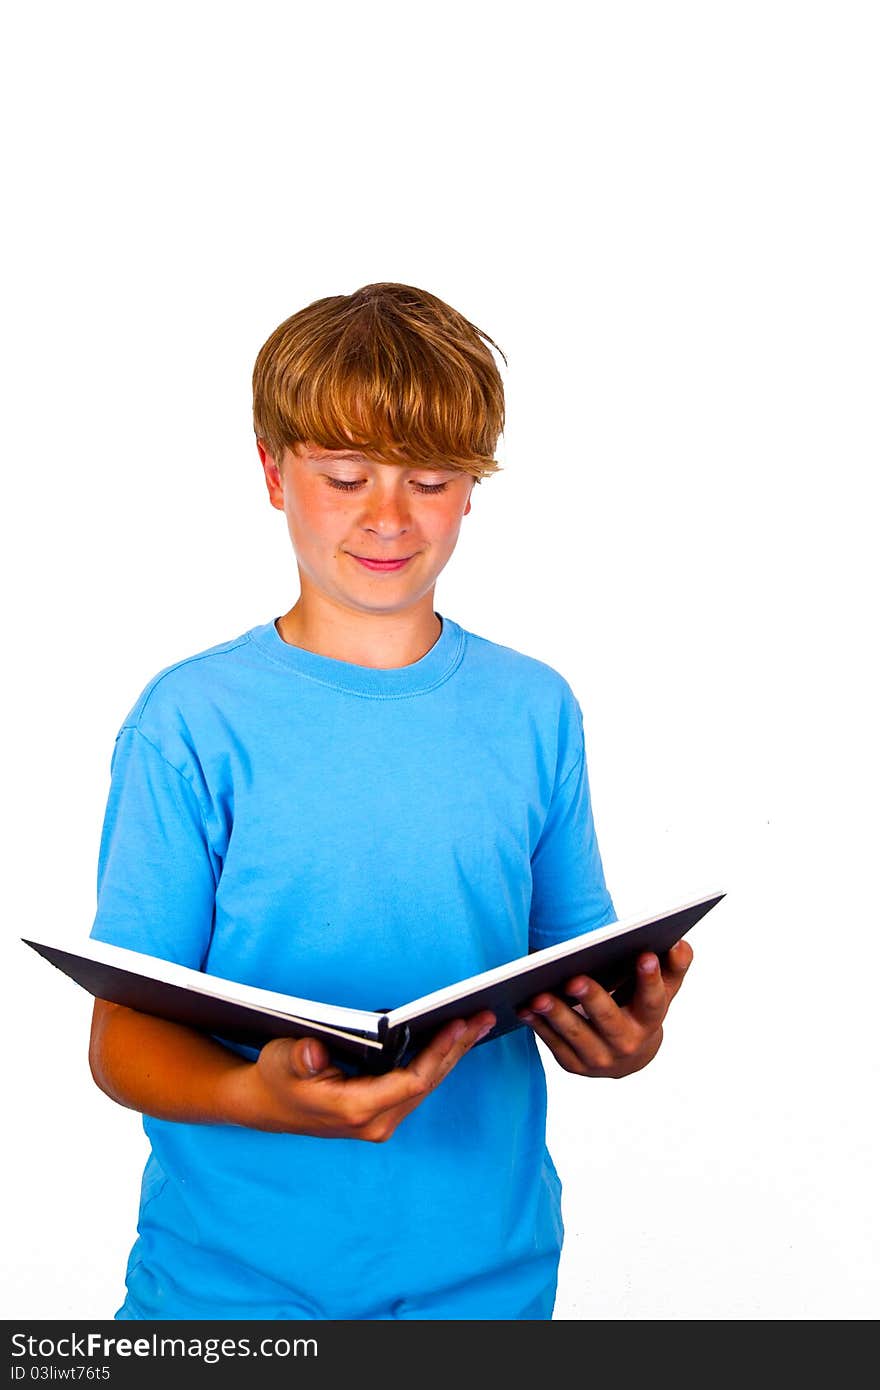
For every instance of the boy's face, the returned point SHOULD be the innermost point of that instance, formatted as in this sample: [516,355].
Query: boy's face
[370,536]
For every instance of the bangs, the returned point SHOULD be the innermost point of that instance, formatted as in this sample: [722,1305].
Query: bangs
[391,371]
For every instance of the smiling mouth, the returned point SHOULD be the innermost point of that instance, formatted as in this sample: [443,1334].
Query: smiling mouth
[383,564]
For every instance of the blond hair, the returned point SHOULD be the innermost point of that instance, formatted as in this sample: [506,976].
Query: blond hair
[391,370]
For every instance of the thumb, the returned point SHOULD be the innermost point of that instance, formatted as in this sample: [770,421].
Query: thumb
[307,1057]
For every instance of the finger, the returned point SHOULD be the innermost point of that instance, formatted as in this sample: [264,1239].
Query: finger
[309,1057]
[578,1032]
[650,999]
[299,1059]
[612,1023]
[448,1047]
[675,967]
[591,1053]
[406,1087]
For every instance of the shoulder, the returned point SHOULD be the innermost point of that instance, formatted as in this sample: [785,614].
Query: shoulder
[521,697]
[179,692]
[524,674]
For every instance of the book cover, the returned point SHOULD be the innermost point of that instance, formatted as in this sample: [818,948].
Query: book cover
[369,1040]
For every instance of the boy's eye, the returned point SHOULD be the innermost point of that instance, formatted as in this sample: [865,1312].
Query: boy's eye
[345,486]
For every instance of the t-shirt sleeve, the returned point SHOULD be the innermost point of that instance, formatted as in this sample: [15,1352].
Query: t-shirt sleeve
[156,872]
[569,894]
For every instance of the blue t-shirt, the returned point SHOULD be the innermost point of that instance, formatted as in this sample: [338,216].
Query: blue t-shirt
[360,836]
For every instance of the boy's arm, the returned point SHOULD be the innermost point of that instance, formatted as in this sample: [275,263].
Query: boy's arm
[175,1073]
[598,1037]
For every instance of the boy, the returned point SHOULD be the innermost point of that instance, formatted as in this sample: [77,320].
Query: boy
[362,802]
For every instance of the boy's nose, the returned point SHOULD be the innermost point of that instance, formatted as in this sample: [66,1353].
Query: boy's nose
[386,515]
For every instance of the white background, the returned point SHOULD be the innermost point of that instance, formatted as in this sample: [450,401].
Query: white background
[667,216]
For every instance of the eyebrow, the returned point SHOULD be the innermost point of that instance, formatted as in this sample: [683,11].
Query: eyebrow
[351,457]
[330,458]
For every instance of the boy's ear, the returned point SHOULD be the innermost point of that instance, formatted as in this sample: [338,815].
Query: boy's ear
[272,474]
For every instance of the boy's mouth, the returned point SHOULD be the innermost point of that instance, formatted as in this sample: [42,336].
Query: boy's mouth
[381,565]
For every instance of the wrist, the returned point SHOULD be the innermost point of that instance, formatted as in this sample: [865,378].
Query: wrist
[244,1099]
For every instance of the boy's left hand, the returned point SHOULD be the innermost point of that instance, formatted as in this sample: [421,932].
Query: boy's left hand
[598,1037]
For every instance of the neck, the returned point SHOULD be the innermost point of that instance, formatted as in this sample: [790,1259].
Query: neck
[380,640]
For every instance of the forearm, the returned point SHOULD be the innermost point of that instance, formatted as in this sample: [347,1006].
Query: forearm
[172,1072]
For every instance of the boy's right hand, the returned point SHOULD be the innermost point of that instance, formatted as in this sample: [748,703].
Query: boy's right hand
[292,1088]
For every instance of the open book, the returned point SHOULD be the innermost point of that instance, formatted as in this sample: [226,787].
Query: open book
[373,1041]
